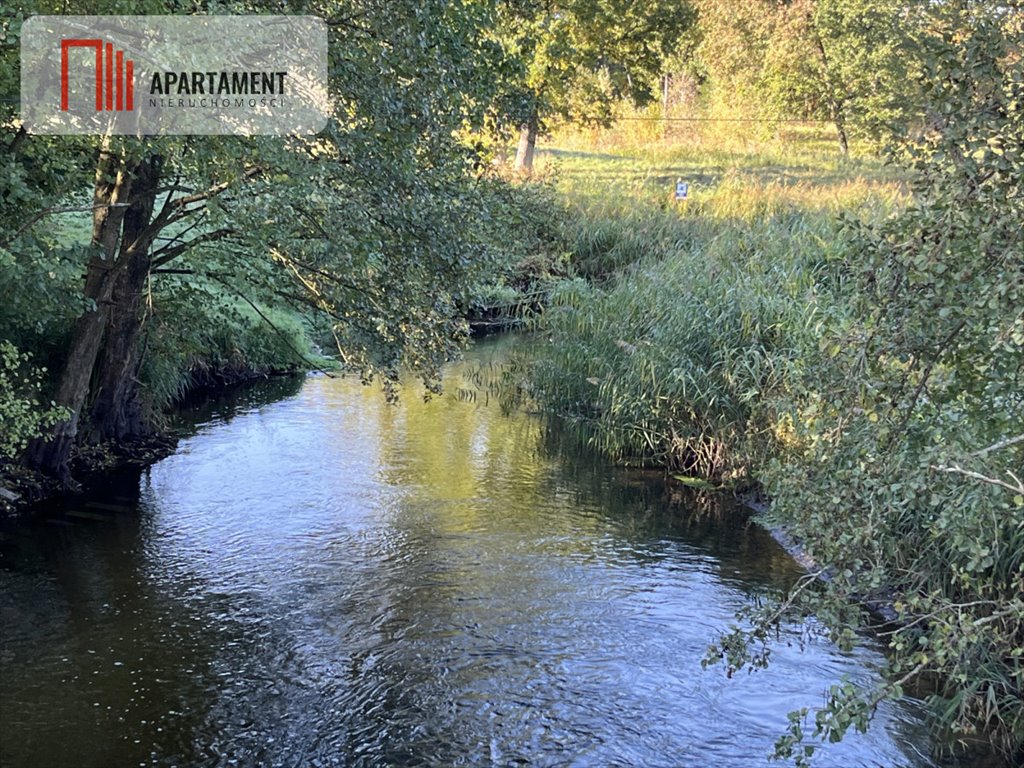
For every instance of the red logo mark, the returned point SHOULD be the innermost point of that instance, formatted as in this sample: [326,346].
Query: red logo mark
[118,69]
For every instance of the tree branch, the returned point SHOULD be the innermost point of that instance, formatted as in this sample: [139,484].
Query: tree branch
[168,252]
[54,211]
[177,208]
[943,345]
[955,469]
[1000,445]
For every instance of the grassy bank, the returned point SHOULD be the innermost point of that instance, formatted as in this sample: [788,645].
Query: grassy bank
[793,327]
[684,315]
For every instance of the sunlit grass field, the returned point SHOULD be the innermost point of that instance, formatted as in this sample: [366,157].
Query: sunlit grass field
[796,168]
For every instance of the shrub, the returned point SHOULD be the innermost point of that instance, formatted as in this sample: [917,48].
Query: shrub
[903,474]
[22,417]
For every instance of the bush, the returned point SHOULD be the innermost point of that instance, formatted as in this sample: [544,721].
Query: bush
[903,471]
[22,417]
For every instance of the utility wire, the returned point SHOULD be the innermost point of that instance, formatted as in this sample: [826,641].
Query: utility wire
[725,120]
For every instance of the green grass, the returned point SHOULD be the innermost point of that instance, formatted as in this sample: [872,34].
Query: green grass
[212,338]
[685,315]
[720,186]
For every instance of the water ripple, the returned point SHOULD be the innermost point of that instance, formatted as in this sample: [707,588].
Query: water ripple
[330,581]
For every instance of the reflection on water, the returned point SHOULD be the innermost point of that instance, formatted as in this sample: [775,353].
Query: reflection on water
[329,580]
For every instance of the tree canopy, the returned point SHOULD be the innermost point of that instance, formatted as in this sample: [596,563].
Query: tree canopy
[579,59]
[849,62]
[373,224]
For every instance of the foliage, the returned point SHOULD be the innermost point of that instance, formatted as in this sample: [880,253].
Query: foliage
[524,268]
[849,62]
[907,415]
[22,417]
[201,336]
[845,61]
[376,227]
[580,58]
[734,39]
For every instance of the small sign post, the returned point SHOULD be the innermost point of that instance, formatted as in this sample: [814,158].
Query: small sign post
[682,189]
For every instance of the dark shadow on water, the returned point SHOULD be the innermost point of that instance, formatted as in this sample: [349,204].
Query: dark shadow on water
[242,398]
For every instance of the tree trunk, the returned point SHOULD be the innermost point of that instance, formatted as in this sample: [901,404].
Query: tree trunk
[527,144]
[836,102]
[111,191]
[840,122]
[117,412]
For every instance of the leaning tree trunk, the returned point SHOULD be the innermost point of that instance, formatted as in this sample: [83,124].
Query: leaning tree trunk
[116,412]
[111,191]
[527,145]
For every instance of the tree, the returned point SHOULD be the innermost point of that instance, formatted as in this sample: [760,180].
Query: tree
[371,224]
[579,58]
[848,62]
[845,61]
[734,39]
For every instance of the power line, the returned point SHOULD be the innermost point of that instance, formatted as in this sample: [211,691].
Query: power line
[725,120]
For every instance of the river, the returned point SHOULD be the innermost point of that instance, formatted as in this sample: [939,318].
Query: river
[318,578]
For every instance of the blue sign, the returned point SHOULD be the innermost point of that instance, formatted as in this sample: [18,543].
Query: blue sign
[682,190]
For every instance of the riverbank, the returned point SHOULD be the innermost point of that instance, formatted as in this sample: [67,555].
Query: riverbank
[759,334]
[22,489]
[682,317]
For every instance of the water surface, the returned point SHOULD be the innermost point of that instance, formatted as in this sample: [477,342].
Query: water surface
[327,580]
